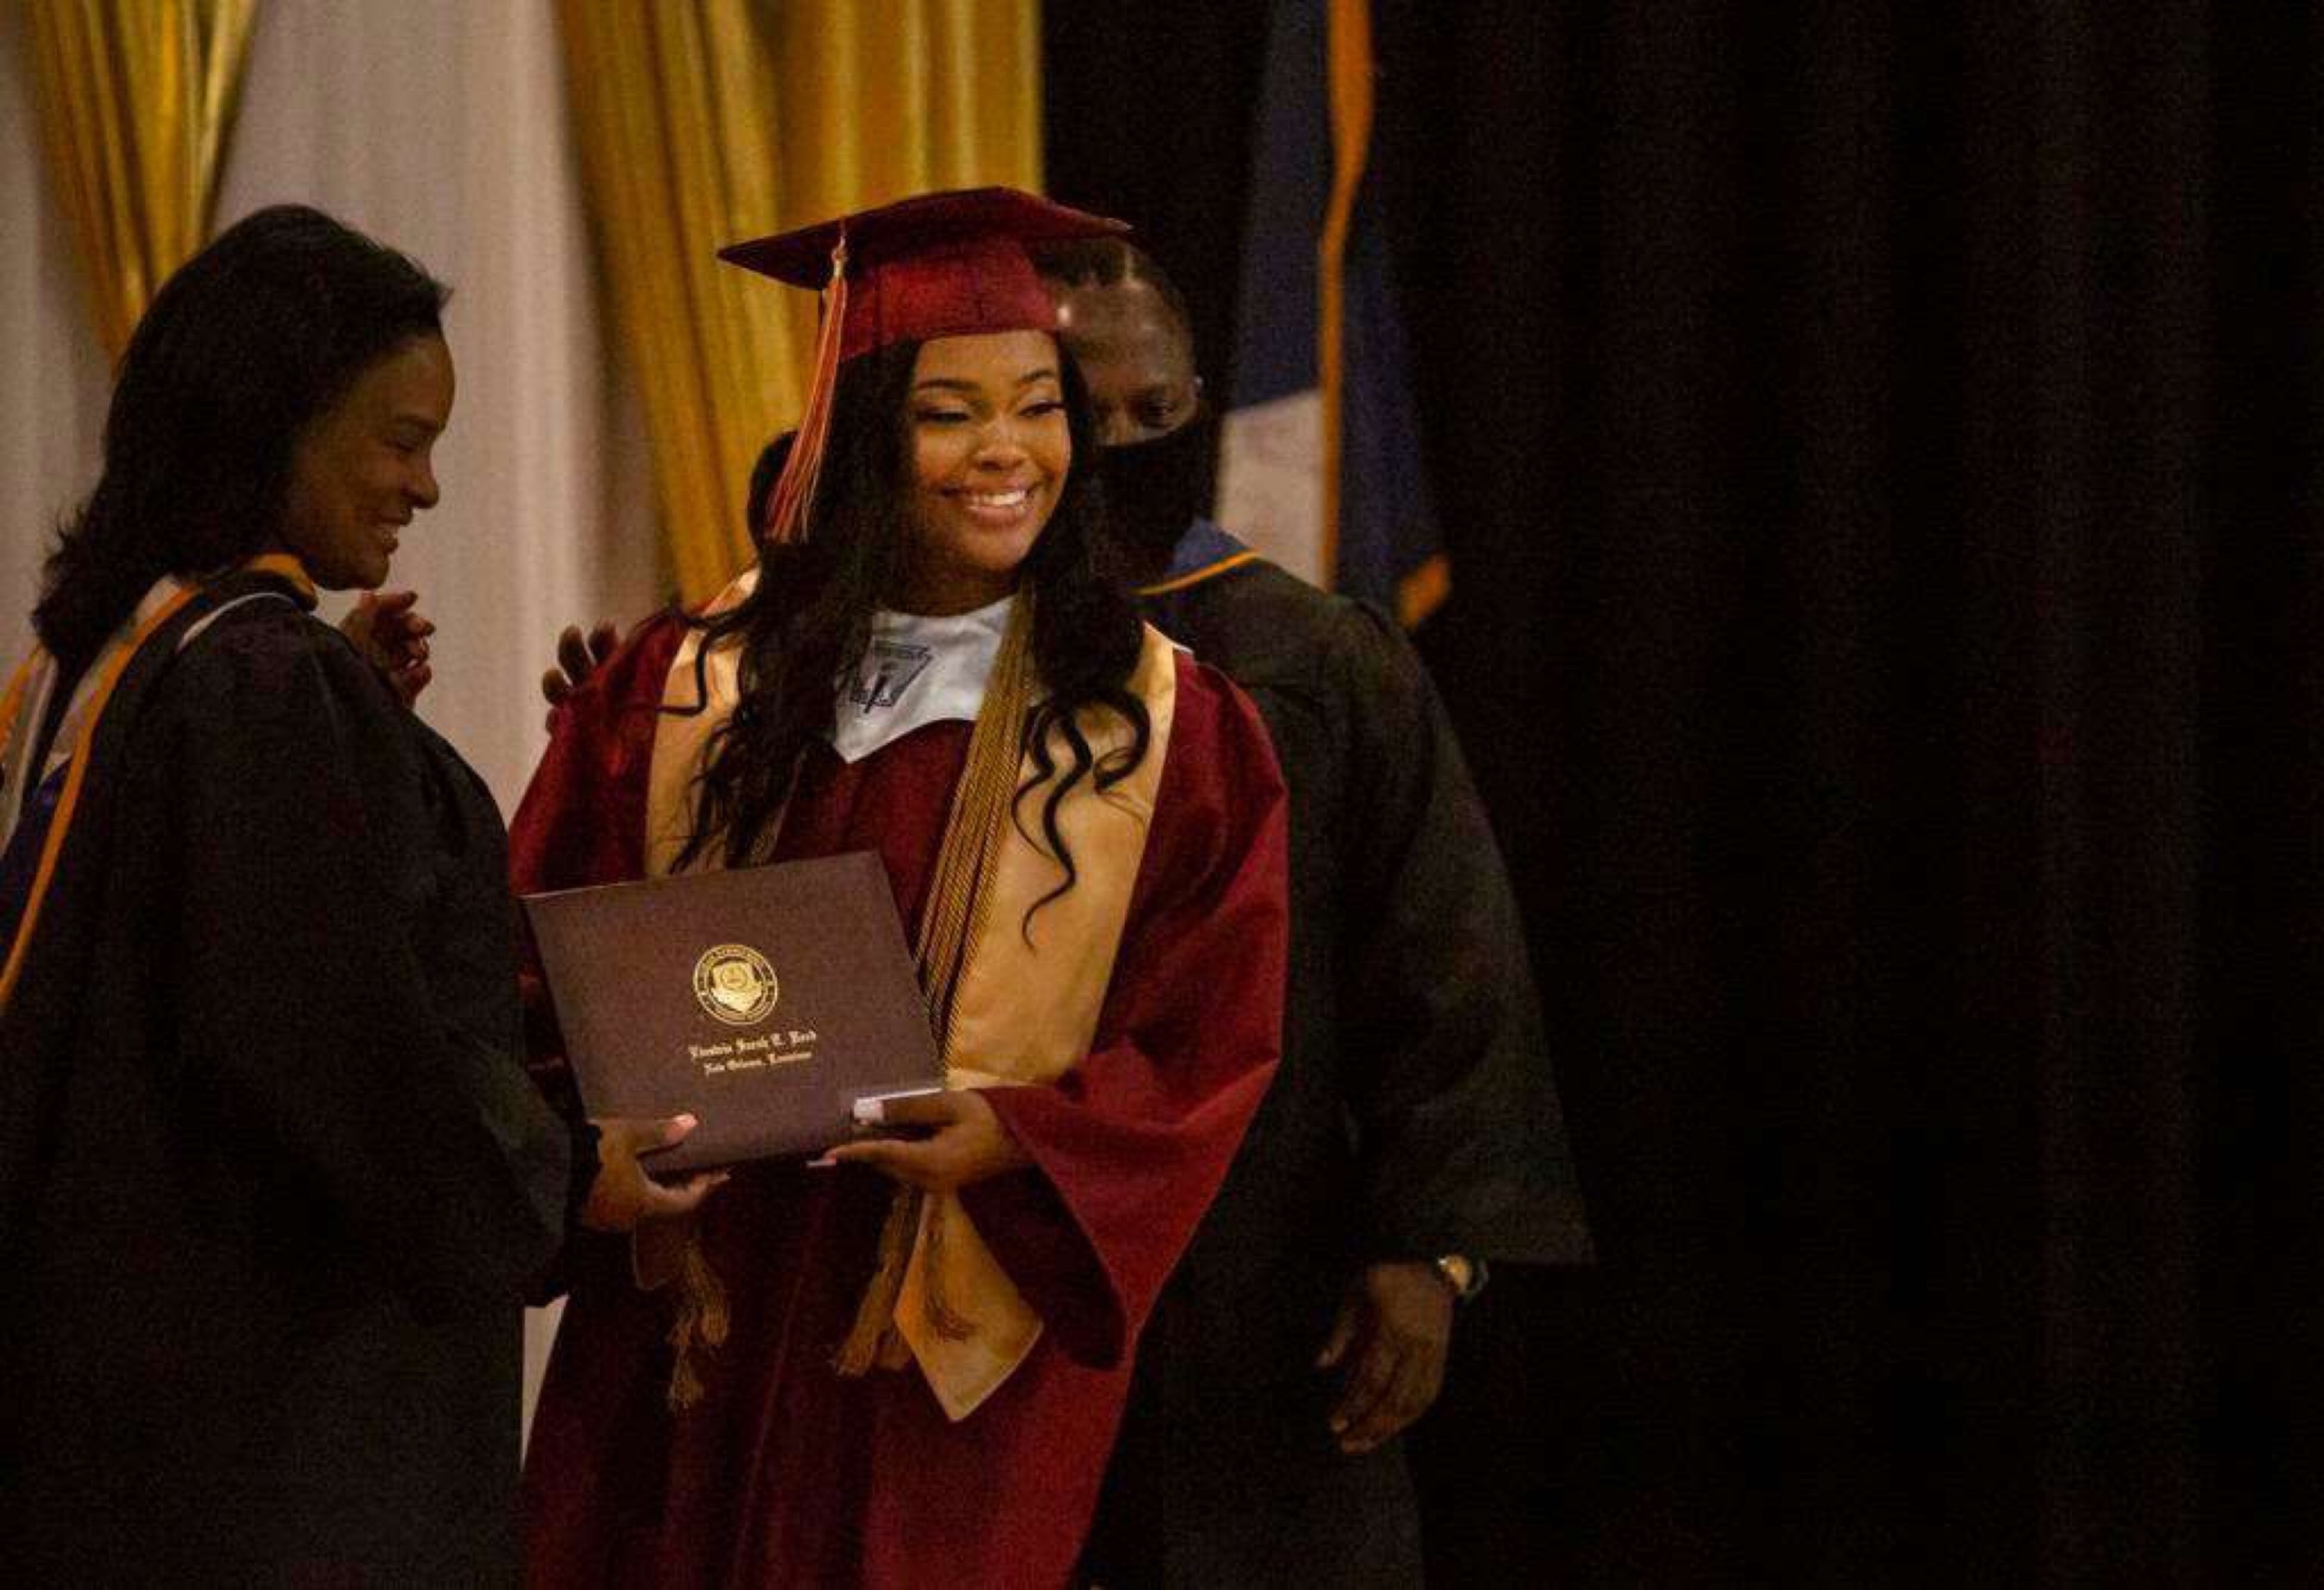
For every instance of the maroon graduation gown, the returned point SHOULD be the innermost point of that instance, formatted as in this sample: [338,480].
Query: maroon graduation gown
[786,1472]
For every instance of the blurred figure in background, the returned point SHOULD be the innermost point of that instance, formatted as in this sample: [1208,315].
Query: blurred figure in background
[1413,1137]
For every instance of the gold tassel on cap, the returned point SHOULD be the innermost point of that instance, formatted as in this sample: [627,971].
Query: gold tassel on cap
[793,497]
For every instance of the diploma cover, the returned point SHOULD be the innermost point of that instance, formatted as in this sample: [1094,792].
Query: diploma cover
[765,1002]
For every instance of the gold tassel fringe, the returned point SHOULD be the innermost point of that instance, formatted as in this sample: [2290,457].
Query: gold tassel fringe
[874,1316]
[701,1323]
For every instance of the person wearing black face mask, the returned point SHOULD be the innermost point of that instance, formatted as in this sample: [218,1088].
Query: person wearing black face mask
[1413,1134]
[1125,326]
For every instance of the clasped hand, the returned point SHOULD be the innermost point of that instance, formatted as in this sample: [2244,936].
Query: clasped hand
[389,629]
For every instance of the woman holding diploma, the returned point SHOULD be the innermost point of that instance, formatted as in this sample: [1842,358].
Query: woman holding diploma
[908,1370]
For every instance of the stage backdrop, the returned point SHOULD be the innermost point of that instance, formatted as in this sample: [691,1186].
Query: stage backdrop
[1878,448]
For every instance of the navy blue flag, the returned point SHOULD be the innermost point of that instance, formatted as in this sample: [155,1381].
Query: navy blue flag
[1320,463]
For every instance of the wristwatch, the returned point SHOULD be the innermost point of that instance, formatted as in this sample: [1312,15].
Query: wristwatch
[1463,1275]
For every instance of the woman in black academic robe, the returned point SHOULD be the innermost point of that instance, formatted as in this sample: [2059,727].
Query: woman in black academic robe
[272,1178]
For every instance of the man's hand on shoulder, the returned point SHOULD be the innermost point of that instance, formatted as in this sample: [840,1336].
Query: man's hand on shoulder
[578,658]
[1394,1331]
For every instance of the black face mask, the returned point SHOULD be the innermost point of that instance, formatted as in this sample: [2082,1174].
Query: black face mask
[1156,489]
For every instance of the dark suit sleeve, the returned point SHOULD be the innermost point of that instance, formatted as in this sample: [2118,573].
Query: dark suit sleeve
[310,859]
[1462,1140]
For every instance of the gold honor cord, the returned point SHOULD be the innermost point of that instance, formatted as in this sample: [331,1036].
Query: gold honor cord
[950,923]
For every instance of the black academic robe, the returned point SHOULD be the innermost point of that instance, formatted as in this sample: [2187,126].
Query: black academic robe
[1414,1113]
[272,1178]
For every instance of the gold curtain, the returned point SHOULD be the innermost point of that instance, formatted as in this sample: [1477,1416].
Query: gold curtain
[704,122]
[134,99]
[882,99]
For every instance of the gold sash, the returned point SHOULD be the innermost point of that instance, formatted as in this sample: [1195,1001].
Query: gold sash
[1024,1003]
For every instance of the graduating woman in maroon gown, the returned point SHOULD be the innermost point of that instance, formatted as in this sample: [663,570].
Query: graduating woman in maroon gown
[908,1368]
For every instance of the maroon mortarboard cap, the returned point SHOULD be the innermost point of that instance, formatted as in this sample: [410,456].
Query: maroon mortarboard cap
[937,265]
[948,264]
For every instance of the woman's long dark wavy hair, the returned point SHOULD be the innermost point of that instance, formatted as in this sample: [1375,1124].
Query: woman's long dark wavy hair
[252,341]
[809,621]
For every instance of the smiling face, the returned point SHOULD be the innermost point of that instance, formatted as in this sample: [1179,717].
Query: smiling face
[364,466]
[991,449]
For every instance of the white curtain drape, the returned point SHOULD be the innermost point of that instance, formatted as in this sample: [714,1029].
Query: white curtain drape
[439,126]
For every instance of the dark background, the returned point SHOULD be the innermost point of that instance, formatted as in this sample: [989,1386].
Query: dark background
[1878,450]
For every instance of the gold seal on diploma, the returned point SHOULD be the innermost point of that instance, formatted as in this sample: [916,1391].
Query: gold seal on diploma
[735,984]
